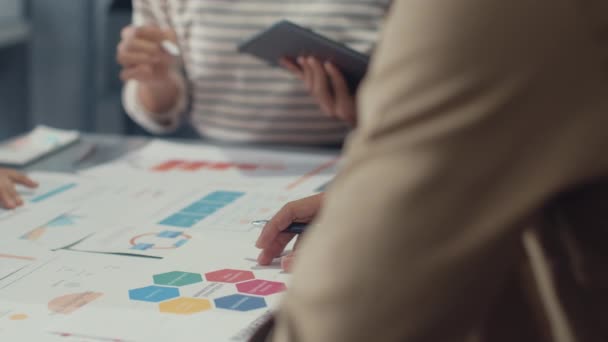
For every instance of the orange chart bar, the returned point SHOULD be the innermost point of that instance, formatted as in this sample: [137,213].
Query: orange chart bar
[8,256]
[312,173]
[192,166]
[168,165]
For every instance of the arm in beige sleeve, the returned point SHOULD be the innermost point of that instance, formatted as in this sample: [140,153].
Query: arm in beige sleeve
[474,113]
[150,12]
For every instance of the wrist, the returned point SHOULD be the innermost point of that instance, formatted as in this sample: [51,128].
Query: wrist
[159,96]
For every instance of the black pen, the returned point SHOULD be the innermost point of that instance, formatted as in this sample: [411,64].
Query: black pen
[293,228]
[296,228]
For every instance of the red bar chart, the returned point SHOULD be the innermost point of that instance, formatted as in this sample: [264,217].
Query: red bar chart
[200,165]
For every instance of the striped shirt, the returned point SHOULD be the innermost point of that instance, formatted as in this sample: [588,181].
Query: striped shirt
[235,97]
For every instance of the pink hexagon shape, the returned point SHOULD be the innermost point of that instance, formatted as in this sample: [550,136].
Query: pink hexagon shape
[261,287]
[229,276]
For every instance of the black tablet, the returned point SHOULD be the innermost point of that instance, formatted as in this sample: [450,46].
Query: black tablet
[286,39]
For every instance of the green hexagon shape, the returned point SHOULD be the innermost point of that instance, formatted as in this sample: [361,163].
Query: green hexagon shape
[177,278]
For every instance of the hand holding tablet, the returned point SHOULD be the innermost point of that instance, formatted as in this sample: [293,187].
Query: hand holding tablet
[288,40]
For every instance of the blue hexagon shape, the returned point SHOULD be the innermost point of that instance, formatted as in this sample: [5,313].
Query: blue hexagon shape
[177,278]
[153,294]
[239,302]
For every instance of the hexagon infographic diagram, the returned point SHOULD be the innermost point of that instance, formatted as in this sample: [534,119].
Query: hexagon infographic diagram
[238,302]
[185,306]
[248,296]
[177,278]
[261,287]
[153,294]
[229,276]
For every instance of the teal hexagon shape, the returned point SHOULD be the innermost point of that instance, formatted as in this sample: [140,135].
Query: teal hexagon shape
[177,278]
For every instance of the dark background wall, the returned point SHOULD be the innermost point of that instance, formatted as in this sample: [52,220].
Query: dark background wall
[57,67]
[13,68]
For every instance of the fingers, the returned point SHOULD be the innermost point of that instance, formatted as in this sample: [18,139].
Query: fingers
[320,85]
[302,210]
[345,107]
[21,178]
[131,53]
[272,240]
[135,48]
[8,195]
[170,34]
[139,46]
[142,73]
[129,59]
[328,86]
[275,249]
[14,196]
[141,55]
[7,201]
[150,33]
[287,261]
[273,229]
[306,73]
[292,67]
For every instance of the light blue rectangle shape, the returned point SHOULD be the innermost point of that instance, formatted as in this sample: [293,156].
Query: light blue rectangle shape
[223,196]
[169,234]
[53,192]
[143,246]
[61,221]
[199,216]
[181,220]
[203,208]
[181,242]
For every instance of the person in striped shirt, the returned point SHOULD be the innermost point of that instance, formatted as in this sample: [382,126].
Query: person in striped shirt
[233,97]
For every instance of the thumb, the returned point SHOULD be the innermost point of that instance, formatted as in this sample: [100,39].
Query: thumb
[287,261]
[170,34]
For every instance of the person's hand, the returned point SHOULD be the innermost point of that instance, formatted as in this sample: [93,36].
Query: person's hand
[141,55]
[9,198]
[327,85]
[272,240]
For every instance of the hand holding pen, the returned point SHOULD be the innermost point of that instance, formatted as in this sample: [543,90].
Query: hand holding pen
[274,238]
[294,228]
[146,53]
[149,55]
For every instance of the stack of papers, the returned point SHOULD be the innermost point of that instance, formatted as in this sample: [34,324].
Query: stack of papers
[158,245]
[35,144]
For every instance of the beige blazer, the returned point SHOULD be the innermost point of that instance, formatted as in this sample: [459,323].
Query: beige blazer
[474,115]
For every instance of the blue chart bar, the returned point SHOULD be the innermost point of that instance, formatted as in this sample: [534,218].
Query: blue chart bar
[203,208]
[180,220]
[197,211]
[223,197]
[143,246]
[180,243]
[53,192]
[168,234]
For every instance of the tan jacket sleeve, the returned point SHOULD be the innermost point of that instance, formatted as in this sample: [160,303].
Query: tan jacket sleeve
[475,113]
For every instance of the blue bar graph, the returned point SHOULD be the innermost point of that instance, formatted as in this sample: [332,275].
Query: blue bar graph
[204,207]
[53,192]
